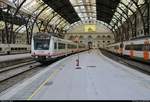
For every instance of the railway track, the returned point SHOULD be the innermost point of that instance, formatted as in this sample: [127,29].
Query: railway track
[140,66]
[11,75]
[12,71]
[8,63]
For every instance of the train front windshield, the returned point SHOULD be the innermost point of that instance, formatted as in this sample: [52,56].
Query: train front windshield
[41,44]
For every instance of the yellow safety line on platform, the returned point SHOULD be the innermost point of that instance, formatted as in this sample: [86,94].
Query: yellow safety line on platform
[41,86]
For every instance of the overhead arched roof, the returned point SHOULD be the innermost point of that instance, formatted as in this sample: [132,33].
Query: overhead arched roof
[63,13]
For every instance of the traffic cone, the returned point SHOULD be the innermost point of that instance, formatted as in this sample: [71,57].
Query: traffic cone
[77,64]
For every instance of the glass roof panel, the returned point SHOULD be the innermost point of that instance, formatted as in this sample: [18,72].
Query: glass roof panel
[86,9]
[34,7]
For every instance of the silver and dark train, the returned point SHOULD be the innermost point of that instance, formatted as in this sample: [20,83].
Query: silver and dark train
[46,47]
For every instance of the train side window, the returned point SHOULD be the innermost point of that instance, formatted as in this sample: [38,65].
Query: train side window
[145,47]
[61,46]
[71,46]
[149,47]
[75,46]
[68,46]
[138,47]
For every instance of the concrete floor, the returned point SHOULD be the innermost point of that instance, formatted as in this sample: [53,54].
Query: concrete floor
[99,78]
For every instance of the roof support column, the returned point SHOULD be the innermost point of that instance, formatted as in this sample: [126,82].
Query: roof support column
[142,18]
[13,36]
[35,19]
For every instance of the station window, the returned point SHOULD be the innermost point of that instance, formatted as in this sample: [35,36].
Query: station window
[109,36]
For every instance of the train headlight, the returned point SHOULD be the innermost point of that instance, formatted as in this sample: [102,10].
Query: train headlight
[36,56]
[46,56]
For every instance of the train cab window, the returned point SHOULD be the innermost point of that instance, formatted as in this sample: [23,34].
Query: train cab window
[55,45]
[41,44]
[61,46]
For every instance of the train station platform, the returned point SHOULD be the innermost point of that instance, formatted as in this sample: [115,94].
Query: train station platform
[99,78]
[14,57]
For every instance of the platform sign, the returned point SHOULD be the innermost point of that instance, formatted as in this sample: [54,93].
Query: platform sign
[90,28]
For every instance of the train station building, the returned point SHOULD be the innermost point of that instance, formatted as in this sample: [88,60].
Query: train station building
[75,50]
